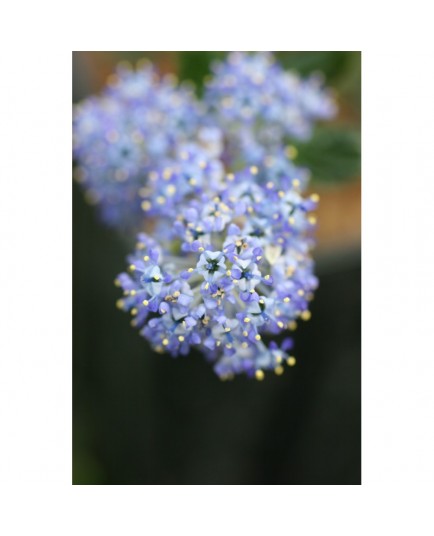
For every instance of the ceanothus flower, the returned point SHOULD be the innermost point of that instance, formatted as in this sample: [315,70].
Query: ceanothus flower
[211,266]
[194,167]
[228,268]
[120,136]
[246,272]
[259,104]
[228,286]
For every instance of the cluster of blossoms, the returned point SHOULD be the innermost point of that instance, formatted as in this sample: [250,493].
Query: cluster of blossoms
[234,266]
[258,104]
[121,135]
[227,269]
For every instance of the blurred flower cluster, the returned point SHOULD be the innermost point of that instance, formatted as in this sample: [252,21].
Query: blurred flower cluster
[120,136]
[222,261]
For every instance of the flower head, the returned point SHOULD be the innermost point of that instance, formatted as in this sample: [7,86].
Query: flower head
[222,287]
[228,268]
[259,104]
[119,136]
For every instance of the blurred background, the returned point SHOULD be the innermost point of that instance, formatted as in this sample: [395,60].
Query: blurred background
[144,418]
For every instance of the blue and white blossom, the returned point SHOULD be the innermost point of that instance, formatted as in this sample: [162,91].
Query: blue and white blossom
[259,104]
[225,265]
[121,135]
[229,289]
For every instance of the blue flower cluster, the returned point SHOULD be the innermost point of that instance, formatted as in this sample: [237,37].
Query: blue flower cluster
[121,135]
[232,267]
[258,104]
[227,267]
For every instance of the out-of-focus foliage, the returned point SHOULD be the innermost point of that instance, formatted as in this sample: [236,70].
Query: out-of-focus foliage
[333,154]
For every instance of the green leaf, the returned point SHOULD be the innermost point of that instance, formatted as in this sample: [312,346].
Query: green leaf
[332,155]
[195,66]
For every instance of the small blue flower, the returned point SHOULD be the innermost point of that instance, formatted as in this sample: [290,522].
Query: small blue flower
[246,272]
[151,279]
[211,265]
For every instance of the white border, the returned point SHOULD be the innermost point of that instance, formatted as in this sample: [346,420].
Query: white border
[35,211]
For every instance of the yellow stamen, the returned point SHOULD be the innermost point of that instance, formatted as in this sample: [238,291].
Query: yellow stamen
[291,152]
[259,375]
[305,315]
